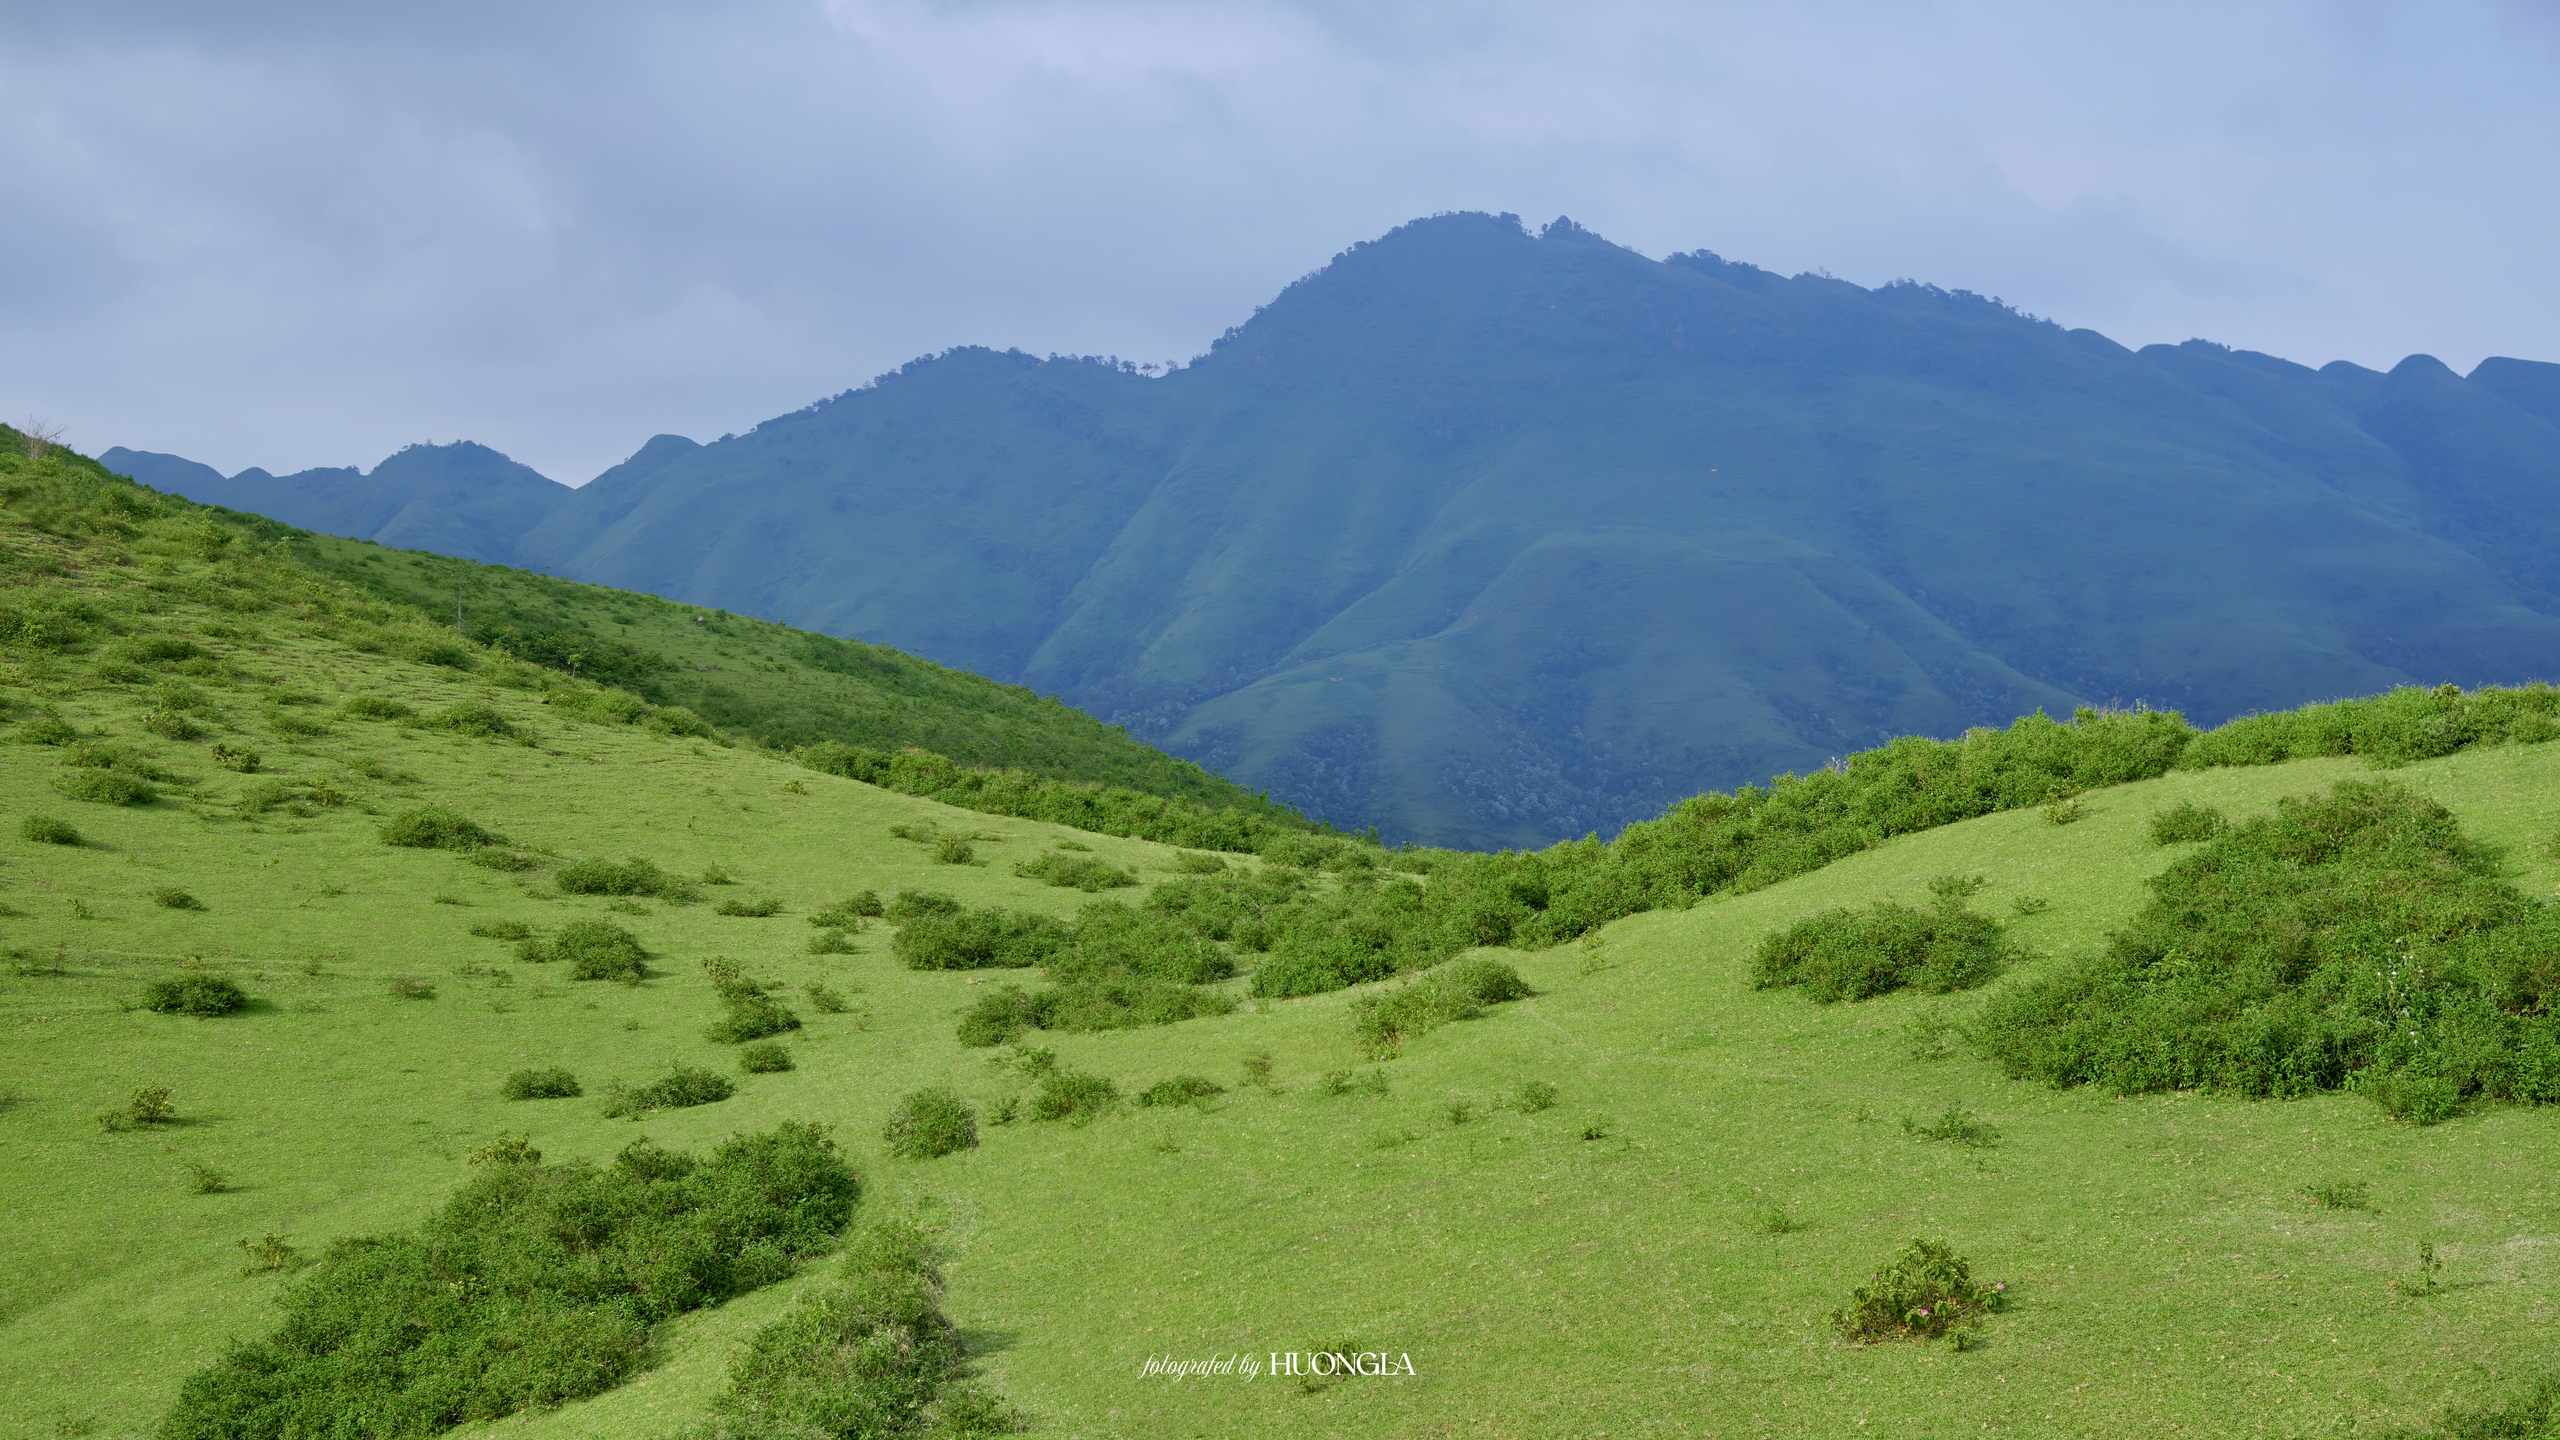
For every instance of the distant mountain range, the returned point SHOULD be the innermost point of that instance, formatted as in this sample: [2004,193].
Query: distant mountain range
[1491,537]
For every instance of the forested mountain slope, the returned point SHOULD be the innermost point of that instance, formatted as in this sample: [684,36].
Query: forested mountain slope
[1490,537]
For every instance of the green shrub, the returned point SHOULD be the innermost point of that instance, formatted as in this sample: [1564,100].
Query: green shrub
[629,877]
[756,909]
[595,950]
[1180,1090]
[1846,954]
[1927,1291]
[238,758]
[172,725]
[869,1355]
[833,942]
[1452,992]
[170,897]
[2341,1195]
[977,940]
[405,987]
[1073,1095]
[752,1017]
[551,1083]
[150,1105]
[205,1179]
[1534,1096]
[1125,1003]
[680,1088]
[194,995]
[953,850]
[2186,823]
[1957,1126]
[1192,862]
[1076,872]
[1776,1220]
[107,787]
[372,707]
[930,1123]
[266,1256]
[822,999]
[473,717]
[535,1285]
[864,904]
[917,904]
[765,1057]
[502,930]
[45,830]
[2353,939]
[1000,1017]
[1110,941]
[433,827]
[45,730]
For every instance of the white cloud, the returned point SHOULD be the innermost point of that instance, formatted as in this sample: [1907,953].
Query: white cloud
[307,234]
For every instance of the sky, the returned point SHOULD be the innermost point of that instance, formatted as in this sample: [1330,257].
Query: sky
[298,234]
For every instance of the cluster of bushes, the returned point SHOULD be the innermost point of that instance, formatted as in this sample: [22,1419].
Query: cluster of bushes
[749,1010]
[928,1124]
[150,1105]
[635,876]
[682,1087]
[105,774]
[592,949]
[1847,954]
[870,1354]
[2351,939]
[434,827]
[548,1083]
[194,995]
[1438,997]
[1075,872]
[1925,1292]
[1370,927]
[1115,968]
[1082,804]
[535,1285]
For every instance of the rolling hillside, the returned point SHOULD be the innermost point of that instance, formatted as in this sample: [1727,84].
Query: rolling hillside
[1630,1199]
[1490,537]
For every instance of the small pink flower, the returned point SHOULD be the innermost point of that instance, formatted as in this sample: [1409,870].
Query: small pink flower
[1924,1314]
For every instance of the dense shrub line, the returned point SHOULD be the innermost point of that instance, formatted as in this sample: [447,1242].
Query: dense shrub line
[2354,939]
[534,1285]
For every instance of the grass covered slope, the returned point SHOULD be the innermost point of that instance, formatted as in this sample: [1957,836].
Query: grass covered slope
[786,687]
[1622,1188]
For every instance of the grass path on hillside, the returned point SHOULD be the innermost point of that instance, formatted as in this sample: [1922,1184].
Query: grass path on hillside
[2170,1276]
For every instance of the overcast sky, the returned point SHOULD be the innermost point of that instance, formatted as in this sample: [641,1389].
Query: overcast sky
[307,234]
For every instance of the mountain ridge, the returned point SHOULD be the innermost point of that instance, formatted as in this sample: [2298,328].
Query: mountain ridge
[1487,536]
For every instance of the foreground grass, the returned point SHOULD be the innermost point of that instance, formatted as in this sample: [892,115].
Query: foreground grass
[2167,1267]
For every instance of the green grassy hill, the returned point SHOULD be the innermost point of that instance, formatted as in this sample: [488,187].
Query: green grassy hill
[1606,1263]
[785,687]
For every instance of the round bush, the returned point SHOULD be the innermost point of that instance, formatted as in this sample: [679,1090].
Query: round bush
[45,830]
[930,1123]
[108,787]
[194,995]
[432,827]
[765,1057]
[598,950]
[553,1083]
[1927,1291]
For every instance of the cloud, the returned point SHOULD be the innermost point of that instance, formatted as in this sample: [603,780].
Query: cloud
[306,234]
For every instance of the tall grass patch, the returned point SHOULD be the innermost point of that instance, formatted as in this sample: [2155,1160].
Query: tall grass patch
[534,1285]
[2353,939]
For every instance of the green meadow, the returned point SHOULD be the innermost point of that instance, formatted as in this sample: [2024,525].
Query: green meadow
[1626,1204]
